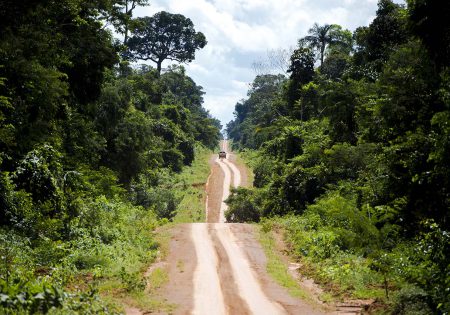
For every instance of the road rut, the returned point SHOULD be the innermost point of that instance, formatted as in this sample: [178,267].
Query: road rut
[225,265]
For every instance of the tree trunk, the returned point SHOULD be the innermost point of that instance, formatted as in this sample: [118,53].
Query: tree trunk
[159,66]
[125,37]
[129,14]
[322,52]
[386,287]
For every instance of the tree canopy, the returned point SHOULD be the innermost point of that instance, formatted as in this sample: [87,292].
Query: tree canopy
[321,37]
[165,36]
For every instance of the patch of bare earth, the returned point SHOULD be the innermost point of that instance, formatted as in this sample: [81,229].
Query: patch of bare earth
[132,311]
[214,191]
[180,265]
[233,302]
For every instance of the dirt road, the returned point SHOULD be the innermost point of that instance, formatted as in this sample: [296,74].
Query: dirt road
[231,173]
[223,265]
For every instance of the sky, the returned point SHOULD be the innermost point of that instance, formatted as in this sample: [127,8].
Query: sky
[242,32]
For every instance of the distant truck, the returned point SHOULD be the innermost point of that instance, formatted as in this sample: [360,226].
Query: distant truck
[222,155]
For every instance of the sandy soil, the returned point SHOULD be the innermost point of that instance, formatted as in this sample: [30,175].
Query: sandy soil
[239,164]
[180,265]
[208,296]
[224,272]
[214,191]
[227,180]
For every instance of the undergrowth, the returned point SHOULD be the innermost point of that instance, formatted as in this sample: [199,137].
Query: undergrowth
[352,272]
[99,264]
[101,260]
[190,188]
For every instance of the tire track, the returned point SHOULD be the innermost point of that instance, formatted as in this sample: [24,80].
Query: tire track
[233,301]
[225,189]
[236,173]
[222,263]
[208,297]
[247,284]
[231,172]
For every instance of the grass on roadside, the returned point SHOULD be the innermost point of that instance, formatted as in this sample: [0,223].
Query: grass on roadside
[191,189]
[277,269]
[145,297]
[343,275]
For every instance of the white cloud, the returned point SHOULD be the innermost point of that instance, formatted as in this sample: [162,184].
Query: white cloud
[222,106]
[240,32]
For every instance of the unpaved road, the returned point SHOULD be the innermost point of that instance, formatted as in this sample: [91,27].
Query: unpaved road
[231,174]
[220,268]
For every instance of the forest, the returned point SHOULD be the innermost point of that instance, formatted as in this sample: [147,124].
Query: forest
[351,155]
[90,147]
[350,150]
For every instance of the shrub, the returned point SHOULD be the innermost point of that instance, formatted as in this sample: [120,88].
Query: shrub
[411,300]
[340,214]
[242,206]
[153,190]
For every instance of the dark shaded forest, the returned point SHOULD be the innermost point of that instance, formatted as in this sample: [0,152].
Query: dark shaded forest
[351,155]
[89,147]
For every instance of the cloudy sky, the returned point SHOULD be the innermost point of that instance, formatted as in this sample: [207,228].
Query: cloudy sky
[241,32]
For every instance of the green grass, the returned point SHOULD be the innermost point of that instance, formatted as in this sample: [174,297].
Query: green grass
[157,279]
[343,275]
[147,304]
[191,189]
[278,270]
[127,285]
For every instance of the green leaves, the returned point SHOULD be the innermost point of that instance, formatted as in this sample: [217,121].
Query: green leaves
[165,36]
[78,140]
[244,206]
[358,149]
[326,37]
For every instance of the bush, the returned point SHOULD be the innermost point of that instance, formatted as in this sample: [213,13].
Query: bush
[40,174]
[16,207]
[332,224]
[242,206]
[153,190]
[411,300]
[32,297]
[339,214]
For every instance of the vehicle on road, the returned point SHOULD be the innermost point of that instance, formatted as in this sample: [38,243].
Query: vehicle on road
[222,155]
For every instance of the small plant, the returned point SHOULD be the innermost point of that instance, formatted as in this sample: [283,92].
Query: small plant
[157,279]
[132,281]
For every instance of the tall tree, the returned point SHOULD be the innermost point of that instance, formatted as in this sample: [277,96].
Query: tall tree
[165,36]
[122,19]
[383,36]
[302,65]
[320,37]
[429,21]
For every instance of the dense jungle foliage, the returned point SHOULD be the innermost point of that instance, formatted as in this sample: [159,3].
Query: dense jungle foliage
[88,151]
[353,156]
